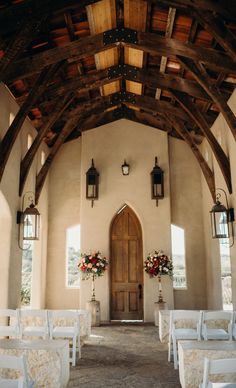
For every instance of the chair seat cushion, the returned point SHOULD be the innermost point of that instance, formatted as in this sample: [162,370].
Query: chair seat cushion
[217,334]
[64,331]
[9,383]
[8,331]
[186,333]
[35,330]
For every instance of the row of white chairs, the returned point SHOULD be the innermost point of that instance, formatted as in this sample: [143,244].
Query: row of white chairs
[223,366]
[18,364]
[199,328]
[43,323]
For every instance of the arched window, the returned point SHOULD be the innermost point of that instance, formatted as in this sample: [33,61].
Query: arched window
[11,118]
[29,141]
[178,257]
[72,256]
[42,158]
[226,278]
[26,273]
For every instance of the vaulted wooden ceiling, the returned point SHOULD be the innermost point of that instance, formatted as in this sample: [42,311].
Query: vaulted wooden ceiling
[75,65]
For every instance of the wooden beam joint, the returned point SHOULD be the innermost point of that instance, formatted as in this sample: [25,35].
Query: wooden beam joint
[117,35]
[122,71]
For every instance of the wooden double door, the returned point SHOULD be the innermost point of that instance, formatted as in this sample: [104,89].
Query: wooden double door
[126,267]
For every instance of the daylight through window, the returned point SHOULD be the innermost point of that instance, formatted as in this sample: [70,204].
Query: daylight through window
[178,257]
[72,256]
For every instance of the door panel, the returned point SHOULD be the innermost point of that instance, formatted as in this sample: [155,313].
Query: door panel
[126,267]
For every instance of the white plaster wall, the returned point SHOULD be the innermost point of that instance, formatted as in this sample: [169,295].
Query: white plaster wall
[186,205]
[64,212]
[223,134]
[109,145]
[9,187]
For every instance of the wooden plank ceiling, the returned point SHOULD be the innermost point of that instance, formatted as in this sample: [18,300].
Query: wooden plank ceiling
[170,64]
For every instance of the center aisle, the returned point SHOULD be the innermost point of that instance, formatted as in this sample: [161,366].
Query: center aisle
[124,356]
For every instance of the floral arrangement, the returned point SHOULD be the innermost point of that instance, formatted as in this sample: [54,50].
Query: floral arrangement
[92,264]
[158,263]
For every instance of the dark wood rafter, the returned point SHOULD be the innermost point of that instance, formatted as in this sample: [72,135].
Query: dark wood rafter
[206,5]
[14,129]
[193,111]
[158,45]
[10,16]
[29,28]
[214,24]
[148,42]
[41,176]
[102,77]
[27,161]
[184,133]
[206,83]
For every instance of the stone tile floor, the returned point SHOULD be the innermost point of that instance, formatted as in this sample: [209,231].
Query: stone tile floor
[124,356]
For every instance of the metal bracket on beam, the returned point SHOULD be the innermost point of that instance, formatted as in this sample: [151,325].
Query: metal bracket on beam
[119,35]
[122,71]
[120,97]
[123,112]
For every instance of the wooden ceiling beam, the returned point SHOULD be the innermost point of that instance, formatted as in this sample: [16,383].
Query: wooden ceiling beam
[10,137]
[27,31]
[10,16]
[216,27]
[192,110]
[159,45]
[78,49]
[148,42]
[27,161]
[184,133]
[205,81]
[149,78]
[219,7]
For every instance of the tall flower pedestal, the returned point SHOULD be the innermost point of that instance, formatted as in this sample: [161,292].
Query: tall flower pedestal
[160,304]
[94,307]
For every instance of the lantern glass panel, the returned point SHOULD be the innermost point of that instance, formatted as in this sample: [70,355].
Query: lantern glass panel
[157,186]
[91,191]
[219,225]
[31,227]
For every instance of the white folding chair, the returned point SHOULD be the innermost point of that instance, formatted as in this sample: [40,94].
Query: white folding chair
[34,323]
[184,325]
[19,365]
[65,324]
[217,325]
[218,367]
[9,323]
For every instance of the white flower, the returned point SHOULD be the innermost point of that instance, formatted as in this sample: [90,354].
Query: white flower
[95,270]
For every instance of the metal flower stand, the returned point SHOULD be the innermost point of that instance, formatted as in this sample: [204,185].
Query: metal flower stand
[94,307]
[160,304]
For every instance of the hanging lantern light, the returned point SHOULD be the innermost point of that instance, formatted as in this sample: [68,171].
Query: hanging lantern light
[219,221]
[221,216]
[157,182]
[28,220]
[92,183]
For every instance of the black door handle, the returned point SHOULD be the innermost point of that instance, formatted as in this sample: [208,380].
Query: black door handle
[140,291]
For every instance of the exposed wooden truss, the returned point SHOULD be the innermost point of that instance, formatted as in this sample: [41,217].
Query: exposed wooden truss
[115,58]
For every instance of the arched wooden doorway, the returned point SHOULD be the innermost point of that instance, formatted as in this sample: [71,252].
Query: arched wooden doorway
[126,266]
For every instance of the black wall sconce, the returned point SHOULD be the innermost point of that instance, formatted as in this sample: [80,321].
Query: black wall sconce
[221,217]
[92,183]
[125,168]
[157,182]
[28,220]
